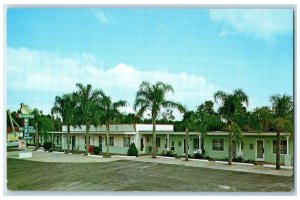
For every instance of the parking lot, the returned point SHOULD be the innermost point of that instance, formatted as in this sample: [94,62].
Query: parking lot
[130,175]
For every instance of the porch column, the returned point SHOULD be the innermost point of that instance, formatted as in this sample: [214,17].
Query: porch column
[287,145]
[52,141]
[168,142]
[240,153]
[200,144]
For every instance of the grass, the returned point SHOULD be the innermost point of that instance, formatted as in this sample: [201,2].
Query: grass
[135,176]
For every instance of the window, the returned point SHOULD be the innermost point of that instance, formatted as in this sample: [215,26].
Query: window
[179,143]
[251,146]
[147,139]
[158,142]
[57,139]
[196,143]
[126,141]
[173,146]
[218,144]
[283,147]
[111,141]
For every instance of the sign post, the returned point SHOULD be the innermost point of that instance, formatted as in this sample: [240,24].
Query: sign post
[26,115]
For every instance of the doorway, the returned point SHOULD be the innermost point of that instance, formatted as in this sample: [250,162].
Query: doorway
[100,143]
[73,142]
[260,151]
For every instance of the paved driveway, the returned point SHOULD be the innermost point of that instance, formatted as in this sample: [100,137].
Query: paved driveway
[127,175]
[76,158]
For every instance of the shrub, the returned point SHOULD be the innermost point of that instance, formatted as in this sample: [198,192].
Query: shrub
[168,153]
[208,158]
[238,159]
[198,155]
[249,161]
[96,150]
[132,151]
[47,145]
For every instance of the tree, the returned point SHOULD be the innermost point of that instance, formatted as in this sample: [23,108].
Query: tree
[231,105]
[206,119]
[167,116]
[87,102]
[282,107]
[188,121]
[110,111]
[152,98]
[43,124]
[263,118]
[65,107]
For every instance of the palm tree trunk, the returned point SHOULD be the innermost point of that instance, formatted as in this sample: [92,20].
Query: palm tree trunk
[154,139]
[278,150]
[68,138]
[107,139]
[230,148]
[87,140]
[36,136]
[186,146]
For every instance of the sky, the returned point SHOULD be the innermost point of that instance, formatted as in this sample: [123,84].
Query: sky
[198,51]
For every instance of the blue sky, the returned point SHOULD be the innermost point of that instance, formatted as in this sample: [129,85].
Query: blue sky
[198,51]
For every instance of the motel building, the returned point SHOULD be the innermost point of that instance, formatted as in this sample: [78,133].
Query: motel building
[255,146]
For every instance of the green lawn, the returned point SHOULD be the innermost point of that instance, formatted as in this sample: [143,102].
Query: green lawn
[135,176]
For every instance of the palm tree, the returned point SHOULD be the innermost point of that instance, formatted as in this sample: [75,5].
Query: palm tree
[110,111]
[282,107]
[65,107]
[153,98]
[207,119]
[231,105]
[87,102]
[188,121]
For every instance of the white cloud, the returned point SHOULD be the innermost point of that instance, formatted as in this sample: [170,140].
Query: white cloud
[260,23]
[101,16]
[48,74]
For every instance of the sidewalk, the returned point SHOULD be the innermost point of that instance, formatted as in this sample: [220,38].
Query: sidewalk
[214,165]
[77,158]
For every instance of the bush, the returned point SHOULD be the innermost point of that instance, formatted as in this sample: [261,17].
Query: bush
[168,153]
[249,161]
[96,150]
[238,159]
[47,145]
[198,155]
[208,158]
[132,151]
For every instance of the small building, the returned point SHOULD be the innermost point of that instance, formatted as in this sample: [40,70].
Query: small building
[254,147]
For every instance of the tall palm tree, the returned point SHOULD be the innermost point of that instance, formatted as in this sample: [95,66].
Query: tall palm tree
[282,107]
[65,107]
[231,105]
[206,119]
[110,111]
[87,102]
[153,98]
[188,121]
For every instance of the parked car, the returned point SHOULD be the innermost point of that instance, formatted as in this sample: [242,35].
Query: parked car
[12,143]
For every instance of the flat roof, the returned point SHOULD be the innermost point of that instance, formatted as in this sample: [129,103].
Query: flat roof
[216,133]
